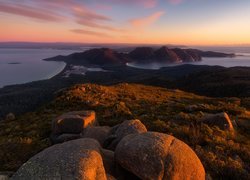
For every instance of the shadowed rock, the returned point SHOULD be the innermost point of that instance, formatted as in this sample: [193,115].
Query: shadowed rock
[77,159]
[73,122]
[70,125]
[221,120]
[154,155]
[64,137]
[109,161]
[99,133]
[121,130]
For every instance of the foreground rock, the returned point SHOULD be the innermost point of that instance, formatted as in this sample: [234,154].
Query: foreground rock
[138,154]
[99,133]
[77,159]
[70,125]
[154,155]
[221,120]
[5,175]
[121,130]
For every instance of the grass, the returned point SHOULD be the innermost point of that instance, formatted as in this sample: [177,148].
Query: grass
[170,111]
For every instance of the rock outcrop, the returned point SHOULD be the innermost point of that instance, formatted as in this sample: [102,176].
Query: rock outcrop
[70,125]
[220,120]
[128,152]
[77,159]
[154,155]
[120,131]
[99,133]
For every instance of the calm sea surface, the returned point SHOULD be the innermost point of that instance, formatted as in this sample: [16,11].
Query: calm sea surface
[25,65]
[19,66]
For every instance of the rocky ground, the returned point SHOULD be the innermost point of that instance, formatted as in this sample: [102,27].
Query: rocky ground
[125,151]
[216,129]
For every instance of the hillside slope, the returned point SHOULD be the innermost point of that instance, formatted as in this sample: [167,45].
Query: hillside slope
[160,109]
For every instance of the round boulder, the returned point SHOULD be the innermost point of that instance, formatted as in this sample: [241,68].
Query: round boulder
[76,159]
[121,130]
[55,139]
[99,133]
[154,155]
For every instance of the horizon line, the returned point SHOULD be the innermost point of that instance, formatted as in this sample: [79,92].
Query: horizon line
[124,43]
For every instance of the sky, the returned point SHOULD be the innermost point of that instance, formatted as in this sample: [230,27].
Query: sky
[185,22]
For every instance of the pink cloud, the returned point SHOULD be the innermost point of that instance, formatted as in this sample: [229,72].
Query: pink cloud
[88,32]
[102,7]
[143,3]
[31,12]
[89,18]
[82,12]
[97,25]
[175,1]
[146,21]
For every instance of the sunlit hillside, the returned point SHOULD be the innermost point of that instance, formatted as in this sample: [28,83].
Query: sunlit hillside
[175,112]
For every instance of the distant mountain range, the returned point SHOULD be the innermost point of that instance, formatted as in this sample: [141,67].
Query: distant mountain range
[71,45]
[107,56]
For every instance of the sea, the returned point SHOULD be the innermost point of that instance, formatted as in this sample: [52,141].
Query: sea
[22,65]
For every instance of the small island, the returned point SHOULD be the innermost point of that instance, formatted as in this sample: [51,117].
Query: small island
[14,63]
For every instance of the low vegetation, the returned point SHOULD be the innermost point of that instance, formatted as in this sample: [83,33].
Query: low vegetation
[224,154]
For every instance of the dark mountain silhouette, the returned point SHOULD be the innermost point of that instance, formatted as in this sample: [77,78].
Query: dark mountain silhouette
[165,54]
[142,53]
[215,54]
[102,56]
[106,56]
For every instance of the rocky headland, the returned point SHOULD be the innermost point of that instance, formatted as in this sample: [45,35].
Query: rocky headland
[106,56]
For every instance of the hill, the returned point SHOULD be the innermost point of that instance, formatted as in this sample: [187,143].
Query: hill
[106,56]
[212,81]
[164,110]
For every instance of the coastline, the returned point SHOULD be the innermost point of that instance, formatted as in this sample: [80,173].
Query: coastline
[28,65]
[57,72]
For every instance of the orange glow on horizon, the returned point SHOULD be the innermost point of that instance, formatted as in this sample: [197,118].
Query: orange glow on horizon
[143,30]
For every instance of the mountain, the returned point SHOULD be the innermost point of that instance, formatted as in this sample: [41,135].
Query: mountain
[142,53]
[102,56]
[106,56]
[166,55]
[215,54]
